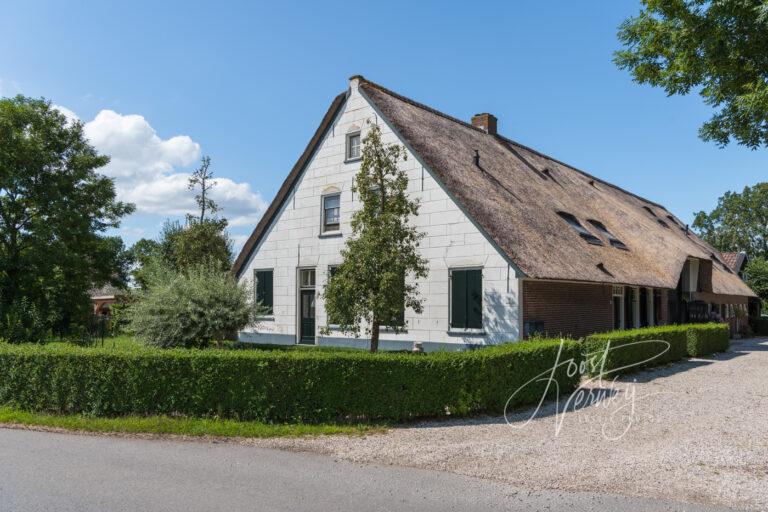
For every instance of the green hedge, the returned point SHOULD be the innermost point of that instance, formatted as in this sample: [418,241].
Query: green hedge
[634,349]
[306,386]
[705,339]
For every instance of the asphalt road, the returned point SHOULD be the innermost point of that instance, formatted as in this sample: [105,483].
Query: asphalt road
[42,471]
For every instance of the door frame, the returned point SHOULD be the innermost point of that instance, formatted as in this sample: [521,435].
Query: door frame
[299,289]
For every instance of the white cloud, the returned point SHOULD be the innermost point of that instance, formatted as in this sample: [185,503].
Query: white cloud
[71,116]
[146,169]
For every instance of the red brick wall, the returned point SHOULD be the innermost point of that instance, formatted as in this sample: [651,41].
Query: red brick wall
[568,308]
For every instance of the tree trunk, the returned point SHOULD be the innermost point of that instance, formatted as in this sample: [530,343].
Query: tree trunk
[375,336]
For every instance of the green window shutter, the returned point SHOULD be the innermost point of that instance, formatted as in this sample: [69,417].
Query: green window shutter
[459,299]
[264,289]
[475,299]
[467,299]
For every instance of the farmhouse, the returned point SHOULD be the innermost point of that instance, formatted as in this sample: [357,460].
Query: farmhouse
[517,242]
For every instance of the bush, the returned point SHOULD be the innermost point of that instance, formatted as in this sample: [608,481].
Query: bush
[21,322]
[619,352]
[705,339]
[278,386]
[191,309]
[760,325]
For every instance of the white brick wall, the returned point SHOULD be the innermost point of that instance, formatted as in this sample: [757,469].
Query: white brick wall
[452,240]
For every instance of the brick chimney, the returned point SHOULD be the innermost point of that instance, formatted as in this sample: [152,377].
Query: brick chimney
[486,122]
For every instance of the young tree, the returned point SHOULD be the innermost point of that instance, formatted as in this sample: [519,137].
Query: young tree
[370,286]
[716,47]
[203,178]
[739,222]
[54,210]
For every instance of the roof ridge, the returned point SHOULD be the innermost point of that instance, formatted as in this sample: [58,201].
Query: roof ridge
[503,138]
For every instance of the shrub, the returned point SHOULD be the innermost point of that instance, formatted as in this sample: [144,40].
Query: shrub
[191,309]
[619,352]
[705,339]
[306,386]
[760,325]
[21,322]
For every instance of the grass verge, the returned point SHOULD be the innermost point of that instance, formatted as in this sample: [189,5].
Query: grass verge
[177,426]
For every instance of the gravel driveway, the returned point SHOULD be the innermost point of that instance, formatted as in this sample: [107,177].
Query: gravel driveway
[694,431]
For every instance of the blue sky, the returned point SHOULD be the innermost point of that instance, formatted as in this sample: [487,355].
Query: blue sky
[161,83]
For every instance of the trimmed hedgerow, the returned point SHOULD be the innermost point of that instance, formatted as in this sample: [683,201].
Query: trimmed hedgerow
[282,386]
[620,352]
[705,339]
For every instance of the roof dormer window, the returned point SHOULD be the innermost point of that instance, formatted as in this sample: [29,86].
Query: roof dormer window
[615,242]
[581,230]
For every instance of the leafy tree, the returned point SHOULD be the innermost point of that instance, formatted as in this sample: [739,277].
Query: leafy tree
[54,210]
[182,247]
[719,48]
[370,286]
[190,309]
[738,223]
[756,275]
[203,178]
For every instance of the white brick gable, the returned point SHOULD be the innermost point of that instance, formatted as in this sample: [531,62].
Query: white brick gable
[452,240]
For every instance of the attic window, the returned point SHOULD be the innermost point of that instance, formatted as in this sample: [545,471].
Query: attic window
[651,212]
[353,147]
[612,239]
[575,224]
[662,223]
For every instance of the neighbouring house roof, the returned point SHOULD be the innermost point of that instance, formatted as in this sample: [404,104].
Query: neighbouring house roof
[735,260]
[106,291]
[515,195]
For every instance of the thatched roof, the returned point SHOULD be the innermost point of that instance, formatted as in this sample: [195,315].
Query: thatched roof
[515,193]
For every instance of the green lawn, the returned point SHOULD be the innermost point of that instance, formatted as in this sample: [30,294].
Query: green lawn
[178,426]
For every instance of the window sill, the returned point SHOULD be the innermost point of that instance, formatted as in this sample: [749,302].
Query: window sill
[466,332]
[330,234]
[352,160]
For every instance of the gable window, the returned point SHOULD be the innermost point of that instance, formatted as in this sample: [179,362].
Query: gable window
[331,209]
[263,289]
[466,298]
[575,224]
[612,239]
[354,149]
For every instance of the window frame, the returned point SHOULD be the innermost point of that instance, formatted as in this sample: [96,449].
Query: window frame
[348,147]
[577,226]
[615,242]
[323,225]
[270,314]
[466,329]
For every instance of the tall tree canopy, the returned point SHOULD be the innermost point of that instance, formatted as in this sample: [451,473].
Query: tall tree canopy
[54,210]
[718,47]
[370,288]
[739,222]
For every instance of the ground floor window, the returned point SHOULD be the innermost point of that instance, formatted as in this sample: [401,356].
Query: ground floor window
[466,301]
[618,307]
[263,289]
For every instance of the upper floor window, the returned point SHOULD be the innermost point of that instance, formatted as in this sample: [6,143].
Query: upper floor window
[331,209]
[612,239]
[575,224]
[353,146]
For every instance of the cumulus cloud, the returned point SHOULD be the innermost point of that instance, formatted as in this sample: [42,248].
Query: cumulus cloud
[147,169]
